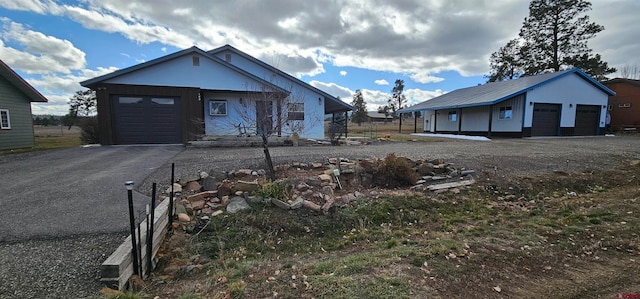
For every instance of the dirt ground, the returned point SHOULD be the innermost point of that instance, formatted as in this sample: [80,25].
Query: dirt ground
[548,218]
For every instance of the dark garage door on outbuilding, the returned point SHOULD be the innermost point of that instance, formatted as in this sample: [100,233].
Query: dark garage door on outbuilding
[146,120]
[546,119]
[587,119]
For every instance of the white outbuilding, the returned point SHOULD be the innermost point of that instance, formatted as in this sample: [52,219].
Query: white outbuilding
[566,103]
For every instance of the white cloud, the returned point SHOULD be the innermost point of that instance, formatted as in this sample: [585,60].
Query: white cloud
[381,82]
[425,78]
[420,38]
[343,73]
[38,53]
[334,89]
[375,98]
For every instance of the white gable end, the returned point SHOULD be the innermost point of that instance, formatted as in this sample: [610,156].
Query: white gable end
[182,72]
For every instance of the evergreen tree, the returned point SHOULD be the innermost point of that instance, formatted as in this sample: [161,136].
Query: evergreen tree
[397,99]
[360,115]
[506,64]
[553,37]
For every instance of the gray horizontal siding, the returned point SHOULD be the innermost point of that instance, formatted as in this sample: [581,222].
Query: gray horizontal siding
[21,133]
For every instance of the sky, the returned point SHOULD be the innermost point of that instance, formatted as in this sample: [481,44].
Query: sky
[338,46]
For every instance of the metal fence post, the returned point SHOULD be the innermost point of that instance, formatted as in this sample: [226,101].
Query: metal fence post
[132,224]
[173,179]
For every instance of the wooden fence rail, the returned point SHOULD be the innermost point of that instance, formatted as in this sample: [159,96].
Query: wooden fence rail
[118,267]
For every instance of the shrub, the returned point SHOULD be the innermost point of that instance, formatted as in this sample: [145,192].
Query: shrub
[90,131]
[394,172]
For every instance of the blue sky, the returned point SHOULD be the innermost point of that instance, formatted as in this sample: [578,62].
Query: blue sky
[340,46]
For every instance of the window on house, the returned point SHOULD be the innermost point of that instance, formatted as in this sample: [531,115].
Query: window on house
[505,112]
[610,107]
[296,111]
[218,107]
[196,61]
[453,116]
[163,101]
[625,105]
[5,120]
[130,100]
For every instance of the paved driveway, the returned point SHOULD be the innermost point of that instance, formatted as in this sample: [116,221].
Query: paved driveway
[74,191]
[63,212]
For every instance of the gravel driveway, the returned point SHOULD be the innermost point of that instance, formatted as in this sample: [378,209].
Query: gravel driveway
[512,156]
[64,263]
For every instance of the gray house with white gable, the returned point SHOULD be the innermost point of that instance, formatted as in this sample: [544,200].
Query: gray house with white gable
[566,103]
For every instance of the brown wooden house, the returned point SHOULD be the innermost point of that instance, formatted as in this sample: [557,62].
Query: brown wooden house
[624,107]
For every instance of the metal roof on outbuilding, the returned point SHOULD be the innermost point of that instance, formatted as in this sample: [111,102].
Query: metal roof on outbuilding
[496,92]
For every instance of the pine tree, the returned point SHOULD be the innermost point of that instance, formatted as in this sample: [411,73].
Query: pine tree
[397,100]
[506,63]
[360,115]
[553,37]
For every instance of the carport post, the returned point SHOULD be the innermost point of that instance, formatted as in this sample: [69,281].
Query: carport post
[134,246]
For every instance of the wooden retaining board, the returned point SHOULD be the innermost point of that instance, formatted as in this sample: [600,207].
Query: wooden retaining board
[118,267]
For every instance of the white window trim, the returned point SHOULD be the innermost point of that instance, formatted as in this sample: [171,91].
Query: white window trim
[212,112]
[300,109]
[454,118]
[8,126]
[505,112]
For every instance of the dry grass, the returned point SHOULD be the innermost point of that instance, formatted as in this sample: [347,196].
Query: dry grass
[47,138]
[571,236]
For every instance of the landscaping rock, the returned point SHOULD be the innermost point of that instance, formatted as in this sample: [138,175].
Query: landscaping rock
[280,204]
[243,172]
[224,189]
[193,186]
[209,183]
[187,179]
[297,203]
[247,186]
[197,205]
[203,175]
[325,178]
[201,195]
[183,217]
[467,172]
[237,204]
[311,205]
[177,188]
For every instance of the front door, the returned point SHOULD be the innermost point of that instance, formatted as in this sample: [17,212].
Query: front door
[264,117]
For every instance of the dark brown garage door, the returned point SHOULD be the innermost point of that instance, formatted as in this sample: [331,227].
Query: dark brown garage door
[546,120]
[587,119]
[146,120]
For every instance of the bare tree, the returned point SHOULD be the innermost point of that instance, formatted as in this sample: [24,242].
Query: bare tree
[269,110]
[630,71]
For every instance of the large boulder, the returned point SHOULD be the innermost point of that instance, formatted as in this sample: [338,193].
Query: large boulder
[237,204]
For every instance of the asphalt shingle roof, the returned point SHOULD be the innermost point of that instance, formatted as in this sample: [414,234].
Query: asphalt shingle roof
[495,92]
